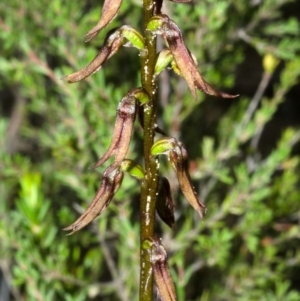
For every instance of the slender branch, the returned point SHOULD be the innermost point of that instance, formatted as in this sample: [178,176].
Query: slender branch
[117,279]
[256,98]
[149,186]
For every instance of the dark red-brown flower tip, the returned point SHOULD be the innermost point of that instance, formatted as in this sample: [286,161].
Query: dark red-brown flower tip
[109,11]
[114,40]
[111,182]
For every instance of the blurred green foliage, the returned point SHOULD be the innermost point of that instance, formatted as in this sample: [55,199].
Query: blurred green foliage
[244,154]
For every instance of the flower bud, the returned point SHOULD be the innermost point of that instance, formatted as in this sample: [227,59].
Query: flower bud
[270,62]
[126,113]
[162,276]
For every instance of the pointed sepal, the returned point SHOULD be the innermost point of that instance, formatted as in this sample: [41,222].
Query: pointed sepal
[111,182]
[109,11]
[179,160]
[113,41]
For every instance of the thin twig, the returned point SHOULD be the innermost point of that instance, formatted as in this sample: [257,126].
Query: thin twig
[117,278]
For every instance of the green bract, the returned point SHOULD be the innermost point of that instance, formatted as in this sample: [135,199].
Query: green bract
[163,146]
[133,36]
[164,58]
[134,169]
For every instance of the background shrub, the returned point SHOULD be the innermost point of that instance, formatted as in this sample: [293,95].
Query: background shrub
[244,154]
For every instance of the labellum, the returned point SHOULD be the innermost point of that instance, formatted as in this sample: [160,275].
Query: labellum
[111,182]
[164,205]
[163,146]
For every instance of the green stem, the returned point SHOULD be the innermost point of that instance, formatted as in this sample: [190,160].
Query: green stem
[149,186]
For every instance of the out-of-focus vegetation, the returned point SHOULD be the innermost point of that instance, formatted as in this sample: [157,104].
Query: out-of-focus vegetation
[244,154]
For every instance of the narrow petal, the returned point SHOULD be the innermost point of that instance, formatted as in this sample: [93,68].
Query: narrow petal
[109,11]
[111,181]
